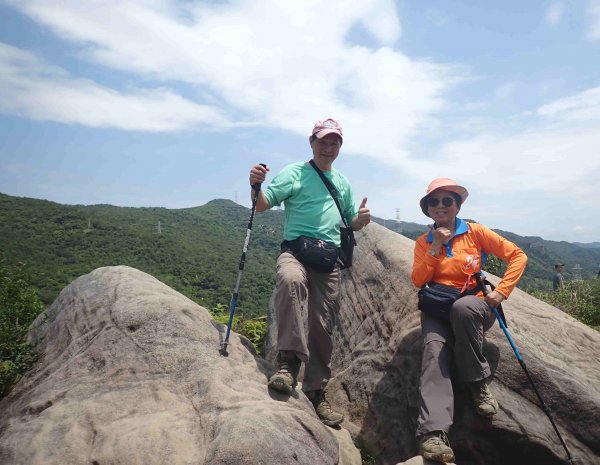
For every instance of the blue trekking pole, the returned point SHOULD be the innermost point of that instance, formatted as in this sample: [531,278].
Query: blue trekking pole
[256,190]
[481,285]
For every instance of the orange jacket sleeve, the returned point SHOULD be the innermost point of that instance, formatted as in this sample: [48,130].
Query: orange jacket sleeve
[424,264]
[505,250]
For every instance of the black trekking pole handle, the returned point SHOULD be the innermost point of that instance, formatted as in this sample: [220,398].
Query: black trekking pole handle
[522,363]
[256,186]
[256,190]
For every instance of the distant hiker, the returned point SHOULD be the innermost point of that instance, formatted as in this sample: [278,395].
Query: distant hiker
[449,254]
[310,211]
[558,279]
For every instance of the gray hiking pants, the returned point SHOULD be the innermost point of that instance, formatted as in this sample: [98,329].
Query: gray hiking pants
[301,293]
[457,341]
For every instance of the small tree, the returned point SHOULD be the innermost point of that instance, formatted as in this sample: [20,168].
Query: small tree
[581,299]
[494,265]
[19,306]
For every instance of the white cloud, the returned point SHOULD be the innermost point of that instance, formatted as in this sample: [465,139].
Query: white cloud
[536,160]
[280,64]
[285,64]
[542,174]
[594,14]
[382,21]
[534,174]
[584,106]
[31,88]
[555,13]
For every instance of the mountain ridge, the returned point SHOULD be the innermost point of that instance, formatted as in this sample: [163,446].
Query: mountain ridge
[196,250]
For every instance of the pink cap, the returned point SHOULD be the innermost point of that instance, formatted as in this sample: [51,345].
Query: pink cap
[327,126]
[446,184]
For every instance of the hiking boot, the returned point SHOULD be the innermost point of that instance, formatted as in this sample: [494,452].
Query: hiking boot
[485,403]
[288,367]
[323,408]
[435,446]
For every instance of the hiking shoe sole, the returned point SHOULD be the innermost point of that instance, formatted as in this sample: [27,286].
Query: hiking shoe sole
[487,413]
[444,457]
[332,422]
[435,446]
[280,384]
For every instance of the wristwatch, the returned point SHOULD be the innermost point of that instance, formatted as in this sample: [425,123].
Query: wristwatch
[432,252]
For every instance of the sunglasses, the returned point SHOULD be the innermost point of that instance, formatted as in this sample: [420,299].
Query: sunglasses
[434,202]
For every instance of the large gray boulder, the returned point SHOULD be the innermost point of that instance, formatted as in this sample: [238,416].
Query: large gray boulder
[130,373]
[376,369]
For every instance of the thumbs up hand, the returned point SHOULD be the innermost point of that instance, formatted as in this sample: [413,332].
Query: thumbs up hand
[363,217]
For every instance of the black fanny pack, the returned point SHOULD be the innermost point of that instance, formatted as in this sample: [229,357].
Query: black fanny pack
[315,253]
[437,299]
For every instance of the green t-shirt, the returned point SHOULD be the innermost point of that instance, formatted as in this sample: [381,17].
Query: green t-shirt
[309,208]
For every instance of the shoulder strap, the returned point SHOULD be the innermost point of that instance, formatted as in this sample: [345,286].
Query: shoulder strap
[331,188]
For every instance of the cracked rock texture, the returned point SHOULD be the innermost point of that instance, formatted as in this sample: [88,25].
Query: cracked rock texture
[376,366]
[130,373]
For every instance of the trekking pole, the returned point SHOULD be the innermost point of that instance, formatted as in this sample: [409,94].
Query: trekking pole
[256,190]
[522,363]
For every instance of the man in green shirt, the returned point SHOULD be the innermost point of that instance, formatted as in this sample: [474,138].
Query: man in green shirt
[309,211]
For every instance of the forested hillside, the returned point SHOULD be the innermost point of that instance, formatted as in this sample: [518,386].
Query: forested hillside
[194,250]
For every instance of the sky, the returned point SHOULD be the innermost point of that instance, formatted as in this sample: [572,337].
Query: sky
[170,103]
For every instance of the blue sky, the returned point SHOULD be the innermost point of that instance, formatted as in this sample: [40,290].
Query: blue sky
[164,103]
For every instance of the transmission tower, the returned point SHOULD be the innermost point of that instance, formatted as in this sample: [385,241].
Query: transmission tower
[398,223]
[577,272]
[158,228]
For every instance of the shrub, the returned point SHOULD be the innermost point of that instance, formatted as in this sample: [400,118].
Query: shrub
[581,299]
[19,306]
[255,329]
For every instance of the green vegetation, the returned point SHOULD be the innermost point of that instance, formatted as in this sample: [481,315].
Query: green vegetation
[19,306]
[542,255]
[255,329]
[494,265]
[581,299]
[195,250]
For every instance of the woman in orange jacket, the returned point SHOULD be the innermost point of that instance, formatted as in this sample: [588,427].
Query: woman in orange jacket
[449,254]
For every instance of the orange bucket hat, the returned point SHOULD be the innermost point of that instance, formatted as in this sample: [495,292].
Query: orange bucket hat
[446,184]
